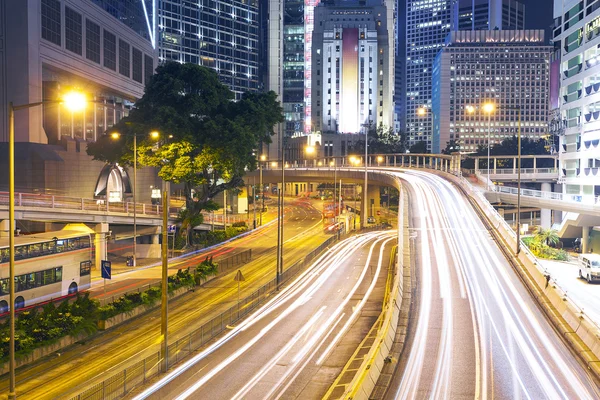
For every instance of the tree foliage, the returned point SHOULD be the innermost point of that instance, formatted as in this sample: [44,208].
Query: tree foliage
[382,140]
[207,140]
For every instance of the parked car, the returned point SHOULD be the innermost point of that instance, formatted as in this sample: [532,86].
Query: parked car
[589,267]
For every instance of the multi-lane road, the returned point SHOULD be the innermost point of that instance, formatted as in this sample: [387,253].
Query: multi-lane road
[95,359]
[278,352]
[476,332]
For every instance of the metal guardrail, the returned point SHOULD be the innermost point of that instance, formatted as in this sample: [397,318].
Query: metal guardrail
[143,370]
[549,195]
[58,203]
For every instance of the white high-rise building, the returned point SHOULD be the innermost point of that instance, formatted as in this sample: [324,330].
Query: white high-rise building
[577,40]
[352,67]
[488,14]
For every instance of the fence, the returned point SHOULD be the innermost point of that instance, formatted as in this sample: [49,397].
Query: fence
[140,372]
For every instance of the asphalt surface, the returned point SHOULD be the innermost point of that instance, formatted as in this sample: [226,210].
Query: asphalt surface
[585,295]
[475,332]
[276,351]
[62,375]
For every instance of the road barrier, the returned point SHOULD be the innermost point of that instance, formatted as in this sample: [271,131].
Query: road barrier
[376,347]
[140,372]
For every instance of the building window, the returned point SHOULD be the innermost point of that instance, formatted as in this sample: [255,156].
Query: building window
[148,68]
[73,35]
[136,64]
[51,21]
[92,41]
[124,58]
[110,51]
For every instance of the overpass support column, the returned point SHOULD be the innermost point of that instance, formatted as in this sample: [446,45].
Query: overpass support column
[100,243]
[373,200]
[546,214]
[4,229]
[585,239]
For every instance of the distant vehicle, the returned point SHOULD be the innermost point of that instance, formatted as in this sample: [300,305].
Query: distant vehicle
[371,220]
[48,266]
[589,267]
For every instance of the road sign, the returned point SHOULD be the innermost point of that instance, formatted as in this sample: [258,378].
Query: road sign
[171,228]
[239,277]
[106,269]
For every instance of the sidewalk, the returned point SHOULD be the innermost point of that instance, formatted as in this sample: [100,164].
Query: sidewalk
[565,274]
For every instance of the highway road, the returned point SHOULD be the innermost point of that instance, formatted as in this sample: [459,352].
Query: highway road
[90,361]
[279,350]
[302,217]
[475,332]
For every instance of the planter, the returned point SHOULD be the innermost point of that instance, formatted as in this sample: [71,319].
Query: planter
[104,324]
[43,351]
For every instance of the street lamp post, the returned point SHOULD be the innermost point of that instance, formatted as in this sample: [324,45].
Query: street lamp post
[363,220]
[75,102]
[262,192]
[116,135]
[489,109]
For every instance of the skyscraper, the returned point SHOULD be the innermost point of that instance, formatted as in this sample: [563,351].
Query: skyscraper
[577,37]
[488,14]
[508,68]
[427,25]
[222,35]
[352,67]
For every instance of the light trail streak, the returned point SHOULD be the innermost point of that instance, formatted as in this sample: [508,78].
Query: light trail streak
[497,306]
[325,265]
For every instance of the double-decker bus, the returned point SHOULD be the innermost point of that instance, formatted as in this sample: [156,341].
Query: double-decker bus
[330,210]
[48,266]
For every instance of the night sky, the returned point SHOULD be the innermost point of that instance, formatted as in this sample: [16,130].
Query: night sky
[538,14]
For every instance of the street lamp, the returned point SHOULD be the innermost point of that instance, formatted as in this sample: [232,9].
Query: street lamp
[488,108]
[116,136]
[310,151]
[263,158]
[74,101]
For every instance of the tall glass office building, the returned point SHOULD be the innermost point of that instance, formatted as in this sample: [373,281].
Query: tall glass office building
[293,66]
[222,35]
[427,25]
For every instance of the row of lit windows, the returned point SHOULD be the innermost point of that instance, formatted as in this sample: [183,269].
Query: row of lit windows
[132,63]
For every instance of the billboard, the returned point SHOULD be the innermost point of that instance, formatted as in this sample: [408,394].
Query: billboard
[349,112]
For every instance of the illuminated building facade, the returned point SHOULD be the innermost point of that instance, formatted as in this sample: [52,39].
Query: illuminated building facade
[475,15]
[427,25]
[219,34]
[352,67]
[507,68]
[577,41]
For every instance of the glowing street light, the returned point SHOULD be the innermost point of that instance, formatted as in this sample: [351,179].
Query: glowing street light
[73,101]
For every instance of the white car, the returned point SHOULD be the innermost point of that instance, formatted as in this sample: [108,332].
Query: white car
[589,267]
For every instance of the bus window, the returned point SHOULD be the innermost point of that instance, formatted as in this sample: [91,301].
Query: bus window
[84,242]
[4,289]
[58,274]
[20,252]
[30,280]
[85,268]
[60,246]
[4,255]
[48,277]
[38,278]
[20,283]
[47,248]
[35,250]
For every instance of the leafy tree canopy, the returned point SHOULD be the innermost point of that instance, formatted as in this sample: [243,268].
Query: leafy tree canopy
[207,140]
[509,147]
[419,148]
[382,140]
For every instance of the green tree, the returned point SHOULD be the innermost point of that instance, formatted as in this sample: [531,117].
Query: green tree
[207,139]
[419,147]
[382,140]
[451,147]
[548,237]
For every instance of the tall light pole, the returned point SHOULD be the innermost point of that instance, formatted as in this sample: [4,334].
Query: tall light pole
[489,108]
[164,300]
[363,220]
[518,109]
[75,102]
[117,135]
[262,192]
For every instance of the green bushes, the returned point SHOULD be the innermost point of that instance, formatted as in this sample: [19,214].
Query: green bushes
[205,269]
[214,237]
[35,328]
[539,245]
